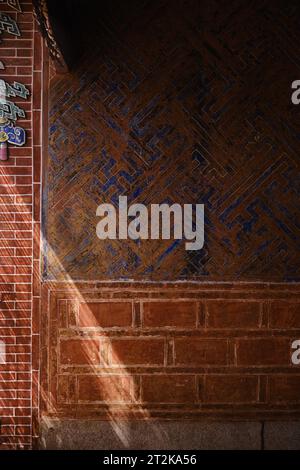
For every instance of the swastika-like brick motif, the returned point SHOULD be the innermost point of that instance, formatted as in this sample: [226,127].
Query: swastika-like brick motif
[187,102]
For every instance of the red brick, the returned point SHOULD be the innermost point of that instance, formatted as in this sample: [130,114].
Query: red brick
[16,170]
[23,269]
[23,287]
[16,385]
[198,351]
[37,127]
[284,388]
[169,389]
[7,270]
[7,394]
[8,52]
[74,351]
[7,431]
[263,351]
[105,314]
[6,252]
[37,86]
[23,216]
[23,206]
[22,430]
[7,216]
[17,61]
[23,180]
[112,388]
[24,52]
[20,261]
[23,252]
[37,58]
[24,161]
[148,351]
[7,180]
[284,315]
[230,389]
[169,314]
[222,314]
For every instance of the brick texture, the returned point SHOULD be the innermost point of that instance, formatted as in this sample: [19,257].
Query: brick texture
[233,314]
[113,388]
[285,389]
[263,351]
[169,389]
[285,315]
[105,314]
[172,314]
[231,389]
[199,351]
[148,351]
[19,214]
[79,352]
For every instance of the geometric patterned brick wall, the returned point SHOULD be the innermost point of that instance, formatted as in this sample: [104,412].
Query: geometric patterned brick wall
[186,103]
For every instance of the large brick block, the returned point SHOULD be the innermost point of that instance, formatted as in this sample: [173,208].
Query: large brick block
[16,224]
[199,351]
[77,351]
[134,351]
[285,315]
[284,388]
[169,388]
[105,314]
[170,314]
[264,351]
[113,388]
[222,314]
[230,389]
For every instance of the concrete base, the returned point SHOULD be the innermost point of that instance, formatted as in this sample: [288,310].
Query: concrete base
[168,435]
[282,436]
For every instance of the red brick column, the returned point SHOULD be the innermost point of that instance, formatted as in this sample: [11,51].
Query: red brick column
[19,215]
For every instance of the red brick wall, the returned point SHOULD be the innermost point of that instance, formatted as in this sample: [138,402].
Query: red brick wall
[190,351]
[19,221]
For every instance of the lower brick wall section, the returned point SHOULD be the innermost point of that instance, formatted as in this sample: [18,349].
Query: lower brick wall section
[170,351]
